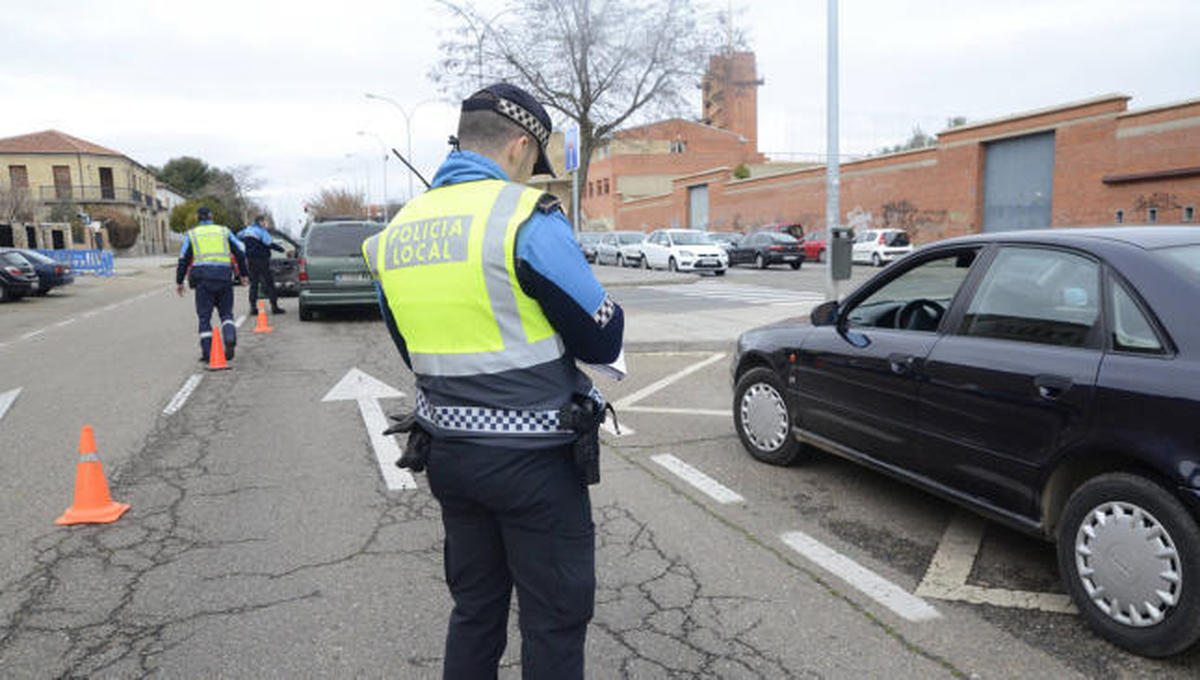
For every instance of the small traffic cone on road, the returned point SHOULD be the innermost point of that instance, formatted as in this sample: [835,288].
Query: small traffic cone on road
[216,354]
[93,504]
[262,326]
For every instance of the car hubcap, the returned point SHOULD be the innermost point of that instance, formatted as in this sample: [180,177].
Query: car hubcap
[764,417]
[1128,564]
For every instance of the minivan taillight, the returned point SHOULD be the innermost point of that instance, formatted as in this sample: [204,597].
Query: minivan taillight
[882,240]
[303,275]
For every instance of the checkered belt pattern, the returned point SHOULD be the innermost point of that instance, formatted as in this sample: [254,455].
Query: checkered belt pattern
[493,420]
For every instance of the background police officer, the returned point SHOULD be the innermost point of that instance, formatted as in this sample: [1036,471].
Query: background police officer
[208,250]
[495,363]
[259,245]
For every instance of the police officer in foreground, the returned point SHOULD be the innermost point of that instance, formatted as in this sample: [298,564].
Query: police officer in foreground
[259,245]
[490,303]
[208,250]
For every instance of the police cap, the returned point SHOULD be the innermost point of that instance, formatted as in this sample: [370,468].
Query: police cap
[204,213]
[521,108]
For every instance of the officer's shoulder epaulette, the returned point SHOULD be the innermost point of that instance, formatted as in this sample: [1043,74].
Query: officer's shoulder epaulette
[548,203]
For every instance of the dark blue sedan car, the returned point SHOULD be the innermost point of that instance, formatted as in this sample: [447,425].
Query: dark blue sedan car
[51,273]
[1048,380]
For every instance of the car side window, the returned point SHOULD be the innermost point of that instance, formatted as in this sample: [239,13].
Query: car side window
[918,298]
[1131,330]
[1037,295]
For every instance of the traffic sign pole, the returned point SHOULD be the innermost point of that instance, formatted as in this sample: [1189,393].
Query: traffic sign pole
[571,161]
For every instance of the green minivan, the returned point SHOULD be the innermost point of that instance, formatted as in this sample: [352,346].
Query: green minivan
[333,274]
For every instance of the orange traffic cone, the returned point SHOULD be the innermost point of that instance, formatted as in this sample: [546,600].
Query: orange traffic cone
[93,504]
[262,326]
[216,354]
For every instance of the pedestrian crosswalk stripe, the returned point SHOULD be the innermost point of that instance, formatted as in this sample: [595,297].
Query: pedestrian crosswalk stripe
[741,292]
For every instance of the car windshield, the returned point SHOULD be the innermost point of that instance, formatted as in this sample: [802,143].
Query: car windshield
[783,238]
[690,238]
[631,237]
[340,240]
[815,236]
[37,257]
[1184,259]
[896,238]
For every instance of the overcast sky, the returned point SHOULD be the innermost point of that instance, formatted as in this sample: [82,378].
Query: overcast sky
[281,86]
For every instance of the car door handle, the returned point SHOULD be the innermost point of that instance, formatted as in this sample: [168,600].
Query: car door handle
[901,364]
[1052,387]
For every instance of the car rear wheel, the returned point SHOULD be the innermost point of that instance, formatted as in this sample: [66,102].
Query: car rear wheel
[876,261]
[762,418]
[760,262]
[795,265]
[1129,554]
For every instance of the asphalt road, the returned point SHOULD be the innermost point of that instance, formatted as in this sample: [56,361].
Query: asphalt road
[263,540]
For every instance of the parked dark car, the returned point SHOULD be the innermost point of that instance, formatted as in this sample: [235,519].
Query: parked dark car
[726,239]
[17,277]
[50,272]
[333,274]
[284,266]
[765,248]
[1048,380]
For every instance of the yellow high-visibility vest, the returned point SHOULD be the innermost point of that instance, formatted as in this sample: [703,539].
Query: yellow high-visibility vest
[446,266]
[210,243]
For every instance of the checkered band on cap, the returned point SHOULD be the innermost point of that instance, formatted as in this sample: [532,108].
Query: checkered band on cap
[525,119]
[487,420]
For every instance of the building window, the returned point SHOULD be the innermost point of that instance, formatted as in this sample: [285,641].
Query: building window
[1120,219]
[18,177]
[1189,213]
[591,189]
[1152,216]
[678,146]
[606,188]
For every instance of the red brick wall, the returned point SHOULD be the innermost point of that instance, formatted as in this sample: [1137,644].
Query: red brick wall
[937,192]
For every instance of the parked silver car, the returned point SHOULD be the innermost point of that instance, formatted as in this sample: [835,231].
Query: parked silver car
[622,248]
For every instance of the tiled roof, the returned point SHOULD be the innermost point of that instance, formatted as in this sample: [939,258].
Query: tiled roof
[52,141]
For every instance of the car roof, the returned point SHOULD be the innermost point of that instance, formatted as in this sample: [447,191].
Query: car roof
[1142,237]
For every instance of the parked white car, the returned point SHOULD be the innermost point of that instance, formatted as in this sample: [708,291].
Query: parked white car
[622,248]
[880,246]
[684,250]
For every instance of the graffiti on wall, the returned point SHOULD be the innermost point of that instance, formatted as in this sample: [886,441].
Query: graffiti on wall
[921,225]
[1160,200]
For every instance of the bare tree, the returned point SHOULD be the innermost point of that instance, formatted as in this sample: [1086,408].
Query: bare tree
[16,205]
[336,202]
[599,63]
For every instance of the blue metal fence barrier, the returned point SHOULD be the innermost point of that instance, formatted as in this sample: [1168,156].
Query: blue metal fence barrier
[97,262]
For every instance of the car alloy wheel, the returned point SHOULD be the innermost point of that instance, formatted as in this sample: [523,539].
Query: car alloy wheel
[1129,554]
[762,419]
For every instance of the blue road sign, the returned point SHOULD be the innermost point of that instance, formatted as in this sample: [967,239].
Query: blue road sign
[571,148]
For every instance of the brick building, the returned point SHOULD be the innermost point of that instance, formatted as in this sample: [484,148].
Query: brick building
[1091,162]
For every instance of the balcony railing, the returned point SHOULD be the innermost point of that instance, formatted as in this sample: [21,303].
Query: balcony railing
[92,194]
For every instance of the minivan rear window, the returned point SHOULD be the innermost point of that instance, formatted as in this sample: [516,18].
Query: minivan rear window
[339,240]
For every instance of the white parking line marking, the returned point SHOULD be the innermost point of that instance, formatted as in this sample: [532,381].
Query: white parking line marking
[946,578]
[883,591]
[607,426]
[678,411]
[631,399]
[698,479]
[64,322]
[31,334]
[182,395]
[7,400]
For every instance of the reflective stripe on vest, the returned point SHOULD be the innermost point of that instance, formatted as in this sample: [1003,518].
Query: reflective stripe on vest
[446,266]
[210,243]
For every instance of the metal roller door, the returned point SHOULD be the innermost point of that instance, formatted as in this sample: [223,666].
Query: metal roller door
[698,207]
[1018,183]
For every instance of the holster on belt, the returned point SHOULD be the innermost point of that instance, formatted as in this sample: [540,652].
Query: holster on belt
[584,416]
[416,452]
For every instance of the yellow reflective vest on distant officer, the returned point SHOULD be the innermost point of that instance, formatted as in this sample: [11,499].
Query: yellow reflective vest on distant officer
[210,244]
[446,267]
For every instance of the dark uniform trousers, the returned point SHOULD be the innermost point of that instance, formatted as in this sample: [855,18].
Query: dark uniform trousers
[520,518]
[215,293]
[260,271]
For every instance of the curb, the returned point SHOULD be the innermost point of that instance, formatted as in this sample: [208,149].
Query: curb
[648,347]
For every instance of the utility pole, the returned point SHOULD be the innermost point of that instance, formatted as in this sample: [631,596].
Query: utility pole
[832,180]
[383,149]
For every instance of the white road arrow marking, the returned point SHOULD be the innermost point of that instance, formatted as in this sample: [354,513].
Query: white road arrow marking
[367,391]
[6,401]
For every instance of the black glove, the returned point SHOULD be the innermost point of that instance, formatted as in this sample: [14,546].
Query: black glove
[416,452]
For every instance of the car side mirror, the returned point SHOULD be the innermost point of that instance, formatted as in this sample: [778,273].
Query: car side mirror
[825,314]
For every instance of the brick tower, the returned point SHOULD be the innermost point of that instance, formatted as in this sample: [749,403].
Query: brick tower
[731,94]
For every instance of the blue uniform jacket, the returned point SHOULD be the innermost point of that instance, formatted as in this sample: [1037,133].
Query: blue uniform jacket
[215,271]
[550,269]
[258,242]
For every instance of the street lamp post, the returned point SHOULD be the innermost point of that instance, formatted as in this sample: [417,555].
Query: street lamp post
[407,127]
[383,149]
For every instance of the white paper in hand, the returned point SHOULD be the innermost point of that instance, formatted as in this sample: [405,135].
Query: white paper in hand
[615,370]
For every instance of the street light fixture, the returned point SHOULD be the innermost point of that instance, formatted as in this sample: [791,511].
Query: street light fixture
[383,147]
[407,126]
